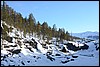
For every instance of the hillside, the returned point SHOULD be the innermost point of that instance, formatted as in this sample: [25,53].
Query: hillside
[32,51]
[30,25]
[88,34]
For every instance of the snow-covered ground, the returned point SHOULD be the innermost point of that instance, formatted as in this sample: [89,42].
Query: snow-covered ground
[28,58]
[28,55]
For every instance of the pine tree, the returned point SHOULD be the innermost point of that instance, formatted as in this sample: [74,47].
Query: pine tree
[54,29]
[38,28]
[32,23]
[67,35]
[44,29]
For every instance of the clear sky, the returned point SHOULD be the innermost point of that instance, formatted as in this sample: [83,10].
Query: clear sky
[74,16]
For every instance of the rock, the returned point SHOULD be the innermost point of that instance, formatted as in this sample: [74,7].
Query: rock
[68,57]
[19,43]
[10,50]
[70,46]
[6,46]
[65,61]
[63,50]
[72,59]
[49,52]
[85,47]
[46,47]
[13,45]
[22,63]
[16,51]
[97,48]
[74,56]
[30,49]
[28,61]
[49,57]
[9,39]
[34,56]
[57,55]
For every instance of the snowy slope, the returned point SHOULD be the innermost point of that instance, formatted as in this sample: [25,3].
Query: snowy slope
[28,58]
[30,52]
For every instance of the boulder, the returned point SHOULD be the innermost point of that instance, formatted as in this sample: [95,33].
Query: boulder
[6,46]
[9,39]
[63,50]
[70,46]
[49,57]
[85,47]
[74,56]
[57,55]
[65,61]
[16,51]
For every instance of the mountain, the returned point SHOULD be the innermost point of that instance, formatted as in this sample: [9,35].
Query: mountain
[87,34]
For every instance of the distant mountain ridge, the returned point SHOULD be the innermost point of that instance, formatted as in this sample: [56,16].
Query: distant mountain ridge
[87,34]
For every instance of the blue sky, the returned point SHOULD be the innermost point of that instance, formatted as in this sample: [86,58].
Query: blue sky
[74,16]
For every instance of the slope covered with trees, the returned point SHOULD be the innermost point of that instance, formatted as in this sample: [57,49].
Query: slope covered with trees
[29,25]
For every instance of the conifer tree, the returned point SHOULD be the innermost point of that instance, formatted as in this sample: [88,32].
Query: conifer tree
[54,29]
[32,23]
[44,29]
[38,28]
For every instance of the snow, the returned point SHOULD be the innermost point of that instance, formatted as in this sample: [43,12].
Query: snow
[4,42]
[41,60]
[28,58]
[4,52]
[2,22]
[41,56]
[53,39]
[65,41]
[11,34]
[91,46]
[85,59]
[11,44]
[25,51]
[42,42]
